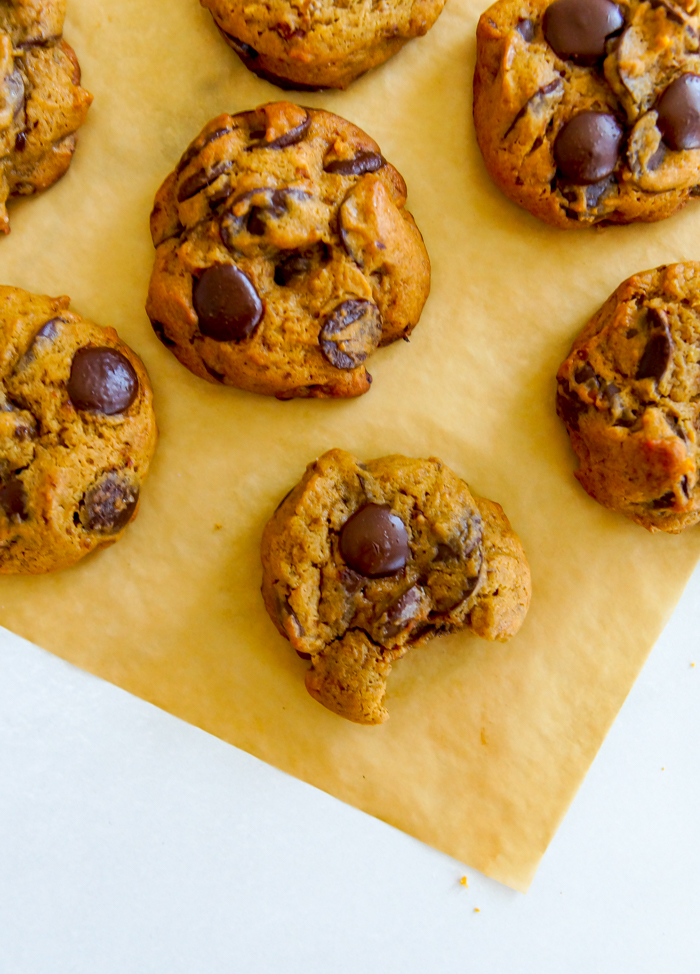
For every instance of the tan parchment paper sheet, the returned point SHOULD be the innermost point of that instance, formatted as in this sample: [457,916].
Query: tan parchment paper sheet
[487,743]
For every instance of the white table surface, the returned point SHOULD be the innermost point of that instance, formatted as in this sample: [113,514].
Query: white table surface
[132,843]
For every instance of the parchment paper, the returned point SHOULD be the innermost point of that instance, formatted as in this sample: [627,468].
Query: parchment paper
[487,743]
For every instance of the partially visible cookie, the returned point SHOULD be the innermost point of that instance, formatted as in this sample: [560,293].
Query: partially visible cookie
[362,561]
[629,396]
[41,102]
[588,111]
[310,45]
[77,433]
[284,254]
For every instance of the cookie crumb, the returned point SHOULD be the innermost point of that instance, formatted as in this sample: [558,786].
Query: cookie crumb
[218,527]
[477,910]
[463,882]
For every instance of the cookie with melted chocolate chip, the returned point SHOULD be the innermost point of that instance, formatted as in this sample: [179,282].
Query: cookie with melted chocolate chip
[362,561]
[629,396]
[77,433]
[284,254]
[42,104]
[588,111]
[308,45]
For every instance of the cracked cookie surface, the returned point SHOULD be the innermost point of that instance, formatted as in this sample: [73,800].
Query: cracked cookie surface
[362,561]
[41,102]
[284,254]
[588,111]
[629,396]
[313,44]
[77,433]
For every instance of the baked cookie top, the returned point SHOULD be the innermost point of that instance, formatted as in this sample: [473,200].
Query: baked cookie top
[41,101]
[312,44]
[629,396]
[77,433]
[588,111]
[361,561]
[284,254]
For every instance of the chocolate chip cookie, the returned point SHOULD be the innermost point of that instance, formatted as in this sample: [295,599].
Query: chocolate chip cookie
[629,396]
[362,561]
[77,433]
[307,45]
[284,254]
[41,102]
[588,111]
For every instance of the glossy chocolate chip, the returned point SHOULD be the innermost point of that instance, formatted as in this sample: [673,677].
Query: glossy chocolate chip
[201,179]
[656,357]
[298,263]
[198,145]
[679,113]
[588,147]
[526,29]
[350,333]
[374,542]
[227,305]
[50,329]
[360,164]
[110,505]
[102,380]
[402,612]
[577,29]
[290,137]
[13,499]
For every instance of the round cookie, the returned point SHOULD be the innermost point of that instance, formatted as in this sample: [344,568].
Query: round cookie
[284,254]
[588,111]
[362,561]
[41,102]
[308,45]
[629,396]
[77,433]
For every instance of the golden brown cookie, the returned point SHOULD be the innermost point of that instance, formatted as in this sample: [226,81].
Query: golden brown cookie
[284,254]
[41,102]
[629,396]
[307,45]
[362,561]
[588,111]
[77,433]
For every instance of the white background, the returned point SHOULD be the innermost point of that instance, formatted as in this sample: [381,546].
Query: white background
[132,843]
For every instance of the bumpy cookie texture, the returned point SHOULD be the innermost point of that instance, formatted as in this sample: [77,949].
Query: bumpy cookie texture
[629,396]
[362,561]
[313,44]
[588,111]
[41,102]
[284,254]
[77,433]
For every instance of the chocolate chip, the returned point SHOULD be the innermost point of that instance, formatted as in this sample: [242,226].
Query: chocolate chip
[360,164]
[159,329]
[351,581]
[374,542]
[585,373]
[242,49]
[666,501]
[227,305]
[685,486]
[596,191]
[402,612]
[251,210]
[570,407]
[102,380]
[13,499]
[201,179]
[217,376]
[445,553]
[290,137]
[109,505]
[588,147]
[21,142]
[578,29]
[298,263]
[679,113]
[288,613]
[14,93]
[350,333]
[526,29]
[194,150]
[657,354]
[49,330]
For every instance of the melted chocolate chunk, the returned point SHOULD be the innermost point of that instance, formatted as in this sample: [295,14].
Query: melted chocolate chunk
[585,373]
[588,147]
[102,380]
[298,263]
[362,163]
[243,50]
[109,505]
[679,113]
[526,29]
[251,211]
[201,179]
[667,500]
[227,305]
[49,330]
[570,407]
[445,553]
[159,329]
[577,29]
[374,542]
[402,612]
[13,499]
[658,353]
[290,137]
[350,333]
[197,147]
